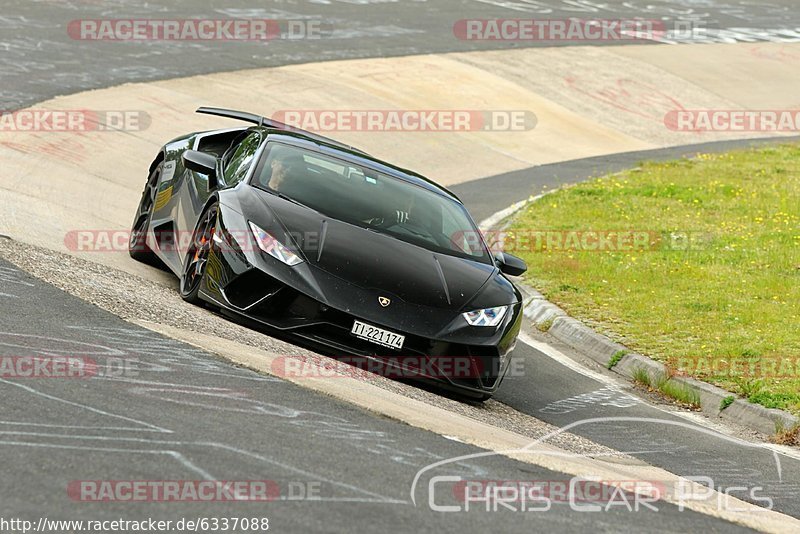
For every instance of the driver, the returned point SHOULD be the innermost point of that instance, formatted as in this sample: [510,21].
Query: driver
[285,169]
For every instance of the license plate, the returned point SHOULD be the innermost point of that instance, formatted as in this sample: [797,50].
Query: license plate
[378,335]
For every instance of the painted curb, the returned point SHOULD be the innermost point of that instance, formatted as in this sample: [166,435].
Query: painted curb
[600,348]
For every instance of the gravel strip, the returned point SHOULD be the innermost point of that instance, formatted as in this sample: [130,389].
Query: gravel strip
[131,297]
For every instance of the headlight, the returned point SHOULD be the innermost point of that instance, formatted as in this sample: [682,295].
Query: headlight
[487,317]
[273,247]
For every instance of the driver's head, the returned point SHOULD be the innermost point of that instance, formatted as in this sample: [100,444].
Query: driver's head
[283,166]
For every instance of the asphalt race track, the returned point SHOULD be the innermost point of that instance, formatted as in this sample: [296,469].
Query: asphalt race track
[181,413]
[36,45]
[186,415]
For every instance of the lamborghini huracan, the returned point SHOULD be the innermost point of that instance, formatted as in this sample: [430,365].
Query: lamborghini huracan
[299,234]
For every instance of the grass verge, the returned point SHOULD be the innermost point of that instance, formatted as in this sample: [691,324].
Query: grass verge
[695,263]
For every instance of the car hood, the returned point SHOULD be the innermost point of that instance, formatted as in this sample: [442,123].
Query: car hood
[370,260]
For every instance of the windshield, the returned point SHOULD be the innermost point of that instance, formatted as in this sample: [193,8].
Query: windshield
[357,195]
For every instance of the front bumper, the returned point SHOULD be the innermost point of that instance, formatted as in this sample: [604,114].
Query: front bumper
[314,306]
[453,362]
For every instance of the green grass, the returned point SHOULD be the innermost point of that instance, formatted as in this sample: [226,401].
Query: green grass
[726,402]
[616,358]
[719,275]
[642,377]
[668,387]
[749,388]
[679,392]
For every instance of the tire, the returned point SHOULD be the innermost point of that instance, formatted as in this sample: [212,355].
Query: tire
[194,264]
[137,244]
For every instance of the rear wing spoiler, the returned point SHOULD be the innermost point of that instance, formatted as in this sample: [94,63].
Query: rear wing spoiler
[271,123]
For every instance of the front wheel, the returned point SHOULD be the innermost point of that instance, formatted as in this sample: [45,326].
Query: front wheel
[194,265]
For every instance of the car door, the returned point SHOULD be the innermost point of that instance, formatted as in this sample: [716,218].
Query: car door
[233,167]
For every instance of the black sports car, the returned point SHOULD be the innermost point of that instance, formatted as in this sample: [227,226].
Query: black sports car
[301,234]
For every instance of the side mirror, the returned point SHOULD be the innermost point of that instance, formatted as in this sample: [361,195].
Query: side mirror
[202,163]
[510,265]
